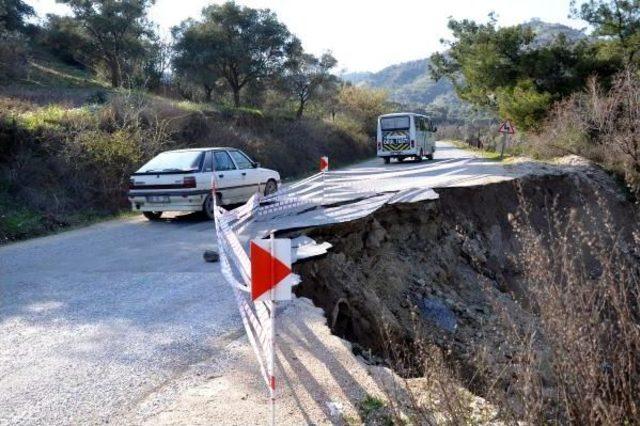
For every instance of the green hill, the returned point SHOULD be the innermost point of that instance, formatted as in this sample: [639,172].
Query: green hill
[410,85]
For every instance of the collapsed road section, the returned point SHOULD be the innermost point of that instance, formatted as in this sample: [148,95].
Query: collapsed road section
[404,271]
[448,273]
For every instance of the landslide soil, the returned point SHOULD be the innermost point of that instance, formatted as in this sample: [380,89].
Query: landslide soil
[447,272]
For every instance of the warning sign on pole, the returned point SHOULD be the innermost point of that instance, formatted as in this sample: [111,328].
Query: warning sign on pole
[324,164]
[507,128]
[271,269]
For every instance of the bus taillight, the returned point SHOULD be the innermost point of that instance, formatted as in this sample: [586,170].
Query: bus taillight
[413,144]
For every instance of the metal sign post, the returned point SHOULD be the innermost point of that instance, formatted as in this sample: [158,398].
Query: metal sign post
[506,128]
[271,281]
[272,355]
[504,143]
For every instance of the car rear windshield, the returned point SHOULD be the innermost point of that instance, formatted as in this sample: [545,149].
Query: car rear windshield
[394,123]
[168,162]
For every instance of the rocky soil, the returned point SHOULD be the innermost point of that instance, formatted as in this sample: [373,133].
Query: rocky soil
[447,272]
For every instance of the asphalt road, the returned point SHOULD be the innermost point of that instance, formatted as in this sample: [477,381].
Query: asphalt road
[93,321]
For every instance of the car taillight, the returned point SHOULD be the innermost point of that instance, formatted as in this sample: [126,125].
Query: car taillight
[189,182]
[413,144]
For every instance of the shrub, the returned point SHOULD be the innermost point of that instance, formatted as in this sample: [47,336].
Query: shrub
[581,363]
[479,135]
[66,161]
[524,104]
[602,126]
[13,56]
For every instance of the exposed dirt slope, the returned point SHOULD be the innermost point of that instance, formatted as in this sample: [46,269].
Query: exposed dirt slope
[447,270]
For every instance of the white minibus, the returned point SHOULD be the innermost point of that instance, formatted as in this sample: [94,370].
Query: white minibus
[405,134]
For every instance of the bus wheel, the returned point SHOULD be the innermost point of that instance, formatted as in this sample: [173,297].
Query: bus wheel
[387,160]
[430,156]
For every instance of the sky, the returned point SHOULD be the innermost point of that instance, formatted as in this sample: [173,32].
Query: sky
[366,35]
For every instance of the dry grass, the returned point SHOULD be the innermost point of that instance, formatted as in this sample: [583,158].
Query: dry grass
[580,361]
[574,360]
[600,125]
[59,159]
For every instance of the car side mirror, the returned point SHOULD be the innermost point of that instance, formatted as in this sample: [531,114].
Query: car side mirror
[256,165]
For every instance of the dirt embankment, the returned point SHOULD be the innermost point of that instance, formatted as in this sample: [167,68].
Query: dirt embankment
[447,271]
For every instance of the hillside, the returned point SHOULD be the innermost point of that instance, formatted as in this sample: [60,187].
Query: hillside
[69,142]
[410,85]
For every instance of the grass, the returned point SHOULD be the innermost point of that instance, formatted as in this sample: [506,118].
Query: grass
[488,155]
[44,70]
[54,117]
[373,410]
[190,106]
[242,111]
[18,223]
[370,404]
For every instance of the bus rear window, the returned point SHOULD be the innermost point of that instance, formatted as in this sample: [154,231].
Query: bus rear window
[393,123]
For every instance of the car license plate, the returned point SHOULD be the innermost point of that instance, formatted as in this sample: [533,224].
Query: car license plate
[158,198]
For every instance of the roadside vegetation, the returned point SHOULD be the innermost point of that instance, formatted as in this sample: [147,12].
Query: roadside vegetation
[83,106]
[574,94]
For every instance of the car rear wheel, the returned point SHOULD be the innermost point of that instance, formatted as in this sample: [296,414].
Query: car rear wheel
[270,187]
[207,207]
[152,215]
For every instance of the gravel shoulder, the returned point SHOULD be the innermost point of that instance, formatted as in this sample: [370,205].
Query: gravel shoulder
[319,380]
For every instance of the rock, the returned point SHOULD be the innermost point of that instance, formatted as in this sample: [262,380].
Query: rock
[439,314]
[376,236]
[473,249]
[210,256]
[339,258]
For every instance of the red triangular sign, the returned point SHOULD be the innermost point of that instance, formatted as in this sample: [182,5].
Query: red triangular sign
[507,127]
[266,271]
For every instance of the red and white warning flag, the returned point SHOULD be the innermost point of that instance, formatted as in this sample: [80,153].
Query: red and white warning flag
[271,269]
[324,163]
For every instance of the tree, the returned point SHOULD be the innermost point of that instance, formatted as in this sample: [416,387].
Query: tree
[13,14]
[64,37]
[192,61]
[508,71]
[307,75]
[613,19]
[13,47]
[482,58]
[238,44]
[363,105]
[117,32]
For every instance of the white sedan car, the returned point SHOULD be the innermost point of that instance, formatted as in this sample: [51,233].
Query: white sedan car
[181,180]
